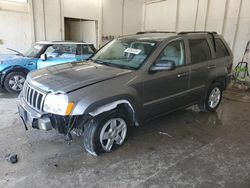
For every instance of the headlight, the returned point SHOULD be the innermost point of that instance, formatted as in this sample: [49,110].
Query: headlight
[58,104]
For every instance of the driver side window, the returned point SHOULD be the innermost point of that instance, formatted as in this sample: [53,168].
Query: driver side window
[174,52]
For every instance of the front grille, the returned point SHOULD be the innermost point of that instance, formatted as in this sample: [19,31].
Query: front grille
[33,97]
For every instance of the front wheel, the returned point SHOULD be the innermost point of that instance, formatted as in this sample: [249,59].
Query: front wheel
[14,82]
[106,132]
[213,98]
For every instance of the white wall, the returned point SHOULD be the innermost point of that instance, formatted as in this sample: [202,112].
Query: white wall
[161,16]
[41,20]
[83,30]
[89,32]
[49,16]
[83,9]
[118,17]
[121,17]
[187,15]
[132,19]
[199,15]
[52,19]
[15,29]
[112,17]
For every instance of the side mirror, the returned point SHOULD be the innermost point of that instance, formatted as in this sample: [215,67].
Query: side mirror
[163,65]
[44,57]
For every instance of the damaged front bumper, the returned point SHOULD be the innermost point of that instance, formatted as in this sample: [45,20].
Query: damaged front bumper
[32,118]
[47,121]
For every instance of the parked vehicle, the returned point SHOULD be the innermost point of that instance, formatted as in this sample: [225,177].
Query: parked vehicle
[13,69]
[129,80]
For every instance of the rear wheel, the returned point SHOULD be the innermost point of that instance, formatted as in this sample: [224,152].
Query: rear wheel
[213,98]
[106,132]
[14,82]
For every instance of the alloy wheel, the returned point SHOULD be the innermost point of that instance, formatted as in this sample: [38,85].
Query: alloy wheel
[113,132]
[214,97]
[16,82]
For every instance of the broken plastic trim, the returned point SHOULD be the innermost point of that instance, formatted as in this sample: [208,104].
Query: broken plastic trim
[111,106]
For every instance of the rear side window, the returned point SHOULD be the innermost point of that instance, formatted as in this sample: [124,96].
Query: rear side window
[221,50]
[84,50]
[199,50]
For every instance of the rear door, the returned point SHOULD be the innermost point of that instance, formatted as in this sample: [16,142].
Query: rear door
[165,91]
[202,62]
[223,56]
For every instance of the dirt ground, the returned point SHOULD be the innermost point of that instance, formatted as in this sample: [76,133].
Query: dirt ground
[184,149]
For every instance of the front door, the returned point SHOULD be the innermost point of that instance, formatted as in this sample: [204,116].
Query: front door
[165,91]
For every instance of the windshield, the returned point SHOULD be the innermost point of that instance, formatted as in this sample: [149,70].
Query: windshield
[125,53]
[34,50]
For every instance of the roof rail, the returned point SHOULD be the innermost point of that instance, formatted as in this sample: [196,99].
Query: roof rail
[59,41]
[212,33]
[145,32]
[187,32]
[80,41]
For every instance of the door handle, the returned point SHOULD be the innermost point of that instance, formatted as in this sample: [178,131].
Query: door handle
[182,74]
[211,67]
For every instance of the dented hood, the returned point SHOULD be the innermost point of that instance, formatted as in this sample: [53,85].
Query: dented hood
[71,76]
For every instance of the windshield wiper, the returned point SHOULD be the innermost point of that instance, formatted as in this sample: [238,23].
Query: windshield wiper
[113,64]
[124,66]
[18,53]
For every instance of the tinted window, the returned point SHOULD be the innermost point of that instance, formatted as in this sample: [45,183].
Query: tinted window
[61,50]
[199,50]
[87,49]
[174,52]
[221,50]
[84,50]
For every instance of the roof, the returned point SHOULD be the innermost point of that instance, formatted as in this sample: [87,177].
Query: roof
[61,42]
[149,36]
[161,35]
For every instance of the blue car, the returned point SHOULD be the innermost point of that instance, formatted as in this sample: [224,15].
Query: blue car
[13,69]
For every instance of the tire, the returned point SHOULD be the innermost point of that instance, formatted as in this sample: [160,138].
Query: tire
[213,98]
[99,128]
[14,81]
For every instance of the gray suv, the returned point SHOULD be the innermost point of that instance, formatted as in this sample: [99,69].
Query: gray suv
[131,79]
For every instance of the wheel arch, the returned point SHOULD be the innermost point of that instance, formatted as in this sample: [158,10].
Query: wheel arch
[220,79]
[15,68]
[127,103]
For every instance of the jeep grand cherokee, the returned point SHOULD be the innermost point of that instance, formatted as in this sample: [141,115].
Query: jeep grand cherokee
[129,80]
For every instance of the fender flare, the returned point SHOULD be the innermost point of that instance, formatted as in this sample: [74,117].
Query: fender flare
[112,105]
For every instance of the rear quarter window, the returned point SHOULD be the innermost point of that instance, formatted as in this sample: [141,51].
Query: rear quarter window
[221,50]
[199,50]
[85,49]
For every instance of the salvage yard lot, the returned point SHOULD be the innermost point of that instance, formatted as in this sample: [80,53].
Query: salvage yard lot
[187,148]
